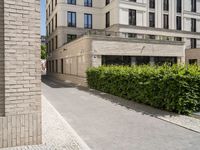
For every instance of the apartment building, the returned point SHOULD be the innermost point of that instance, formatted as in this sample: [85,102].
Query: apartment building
[85,33]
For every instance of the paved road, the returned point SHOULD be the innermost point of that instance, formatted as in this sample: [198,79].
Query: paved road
[106,125]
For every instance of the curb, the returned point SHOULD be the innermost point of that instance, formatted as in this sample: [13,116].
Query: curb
[83,145]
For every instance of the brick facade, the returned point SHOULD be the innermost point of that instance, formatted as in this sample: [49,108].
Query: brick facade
[193,54]
[2,106]
[20,96]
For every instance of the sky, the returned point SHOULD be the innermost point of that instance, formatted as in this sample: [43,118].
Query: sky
[43,17]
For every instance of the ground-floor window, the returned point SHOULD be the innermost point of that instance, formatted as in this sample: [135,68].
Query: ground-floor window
[138,60]
[47,64]
[52,65]
[142,60]
[116,60]
[56,66]
[192,61]
[163,60]
[62,66]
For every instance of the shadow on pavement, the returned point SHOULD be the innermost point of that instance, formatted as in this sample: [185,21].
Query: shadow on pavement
[131,105]
[55,83]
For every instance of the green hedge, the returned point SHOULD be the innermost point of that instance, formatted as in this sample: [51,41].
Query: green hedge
[172,88]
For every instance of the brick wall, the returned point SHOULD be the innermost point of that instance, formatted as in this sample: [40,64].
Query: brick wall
[21,123]
[193,54]
[2,106]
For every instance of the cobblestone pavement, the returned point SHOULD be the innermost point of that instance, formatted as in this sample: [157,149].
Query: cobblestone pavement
[57,133]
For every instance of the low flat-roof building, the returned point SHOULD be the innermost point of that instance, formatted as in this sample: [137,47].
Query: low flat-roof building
[97,48]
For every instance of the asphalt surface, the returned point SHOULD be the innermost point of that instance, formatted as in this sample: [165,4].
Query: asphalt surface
[107,125]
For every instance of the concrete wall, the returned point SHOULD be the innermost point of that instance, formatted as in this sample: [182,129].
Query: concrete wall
[21,122]
[76,56]
[76,59]
[137,48]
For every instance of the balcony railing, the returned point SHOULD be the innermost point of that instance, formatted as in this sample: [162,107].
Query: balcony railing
[131,35]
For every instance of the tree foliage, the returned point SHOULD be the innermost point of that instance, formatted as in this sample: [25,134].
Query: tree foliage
[43,52]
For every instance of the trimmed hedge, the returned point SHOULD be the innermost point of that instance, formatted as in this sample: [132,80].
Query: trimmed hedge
[172,88]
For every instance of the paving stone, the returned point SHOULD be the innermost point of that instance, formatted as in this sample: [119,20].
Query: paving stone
[57,133]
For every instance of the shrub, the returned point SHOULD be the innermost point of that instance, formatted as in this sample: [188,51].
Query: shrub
[172,88]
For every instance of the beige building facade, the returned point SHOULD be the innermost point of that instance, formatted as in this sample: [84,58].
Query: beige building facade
[122,32]
[193,56]
[20,91]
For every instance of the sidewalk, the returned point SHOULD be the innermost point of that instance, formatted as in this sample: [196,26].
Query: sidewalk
[57,133]
[107,122]
[197,115]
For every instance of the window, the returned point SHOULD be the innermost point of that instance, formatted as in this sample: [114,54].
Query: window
[50,46]
[56,21]
[163,60]
[52,66]
[56,42]
[151,19]
[178,23]
[152,4]
[49,28]
[116,60]
[88,3]
[107,2]
[192,61]
[56,66]
[166,5]
[152,37]
[166,21]
[73,2]
[179,6]
[142,60]
[62,66]
[71,19]
[52,25]
[88,21]
[46,14]
[132,17]
[107,19]
[47,31]
[47,45]
[71,37]
[47,65]
[193,5]
[193,25]
[132,35]
[49,10]
[178,39]
[132,0]
[166,38]
[51,5]
[52,42]
[193,43]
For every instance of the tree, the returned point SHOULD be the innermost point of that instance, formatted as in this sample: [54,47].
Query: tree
[43,52]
